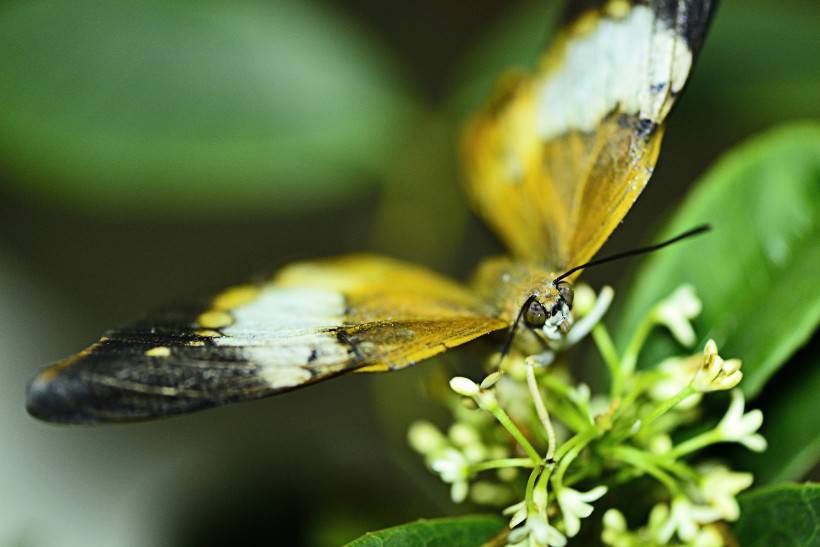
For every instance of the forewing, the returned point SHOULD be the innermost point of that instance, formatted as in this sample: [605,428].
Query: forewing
[558,157]
[313,321]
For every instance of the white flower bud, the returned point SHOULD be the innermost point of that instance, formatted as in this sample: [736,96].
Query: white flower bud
[660,444]
[464,386]
[459,491]
[463,434]
[584,299]
[491,379]
[425,438]
[614,520]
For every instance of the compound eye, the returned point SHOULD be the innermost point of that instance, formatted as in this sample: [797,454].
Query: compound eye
[566,293]
[535,315]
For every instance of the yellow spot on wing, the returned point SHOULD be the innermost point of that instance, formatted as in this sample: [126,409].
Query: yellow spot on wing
[159,351]
[214,319]
[235,297]
[209,333]
[618,8]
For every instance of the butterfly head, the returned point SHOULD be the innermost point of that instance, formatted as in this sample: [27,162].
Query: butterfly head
[551,313]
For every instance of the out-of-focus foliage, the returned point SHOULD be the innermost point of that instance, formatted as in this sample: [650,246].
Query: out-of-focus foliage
[452,532]
[756,273]
[792,424]
[203,107]
[178,108]
[784,515]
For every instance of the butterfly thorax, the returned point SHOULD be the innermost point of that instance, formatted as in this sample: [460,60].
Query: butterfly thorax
[507,284]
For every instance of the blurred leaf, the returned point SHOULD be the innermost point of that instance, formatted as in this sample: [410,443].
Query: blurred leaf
[202,106]
[420,192]
[753,70]
[781,515]
[757,271]
[791,424]
[516,42]
[466,531]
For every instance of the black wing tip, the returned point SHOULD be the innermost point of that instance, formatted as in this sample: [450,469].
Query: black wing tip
[55,400]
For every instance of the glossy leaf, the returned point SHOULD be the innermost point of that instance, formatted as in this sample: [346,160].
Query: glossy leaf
[466,531]
[791,424]
[757,271]
[211,106]
[782,515]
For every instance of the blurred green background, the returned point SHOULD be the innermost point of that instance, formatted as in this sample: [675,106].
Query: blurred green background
[153,151]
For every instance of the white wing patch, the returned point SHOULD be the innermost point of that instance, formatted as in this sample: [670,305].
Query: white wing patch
[286,331]
[629,64]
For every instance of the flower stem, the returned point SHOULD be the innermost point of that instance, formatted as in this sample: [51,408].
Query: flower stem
[642,461]
[569,451]
[541,410]
[630,358]
[502,463]
[666,406]
[695,443]
[495,409]
[528,496]
[606,348]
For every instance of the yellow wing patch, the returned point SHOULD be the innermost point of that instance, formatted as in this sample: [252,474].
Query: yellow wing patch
[396,314]
[557,158]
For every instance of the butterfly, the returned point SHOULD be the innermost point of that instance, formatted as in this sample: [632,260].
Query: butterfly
[552,163]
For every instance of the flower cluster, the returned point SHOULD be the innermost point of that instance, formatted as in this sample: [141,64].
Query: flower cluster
[537,436]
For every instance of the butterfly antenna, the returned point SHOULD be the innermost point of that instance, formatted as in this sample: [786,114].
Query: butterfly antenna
[505,349]
[634,252]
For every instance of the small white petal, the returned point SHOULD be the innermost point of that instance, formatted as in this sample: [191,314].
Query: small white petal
[750,422]
[519,517]
[458,492]
[755,443]
[594,494]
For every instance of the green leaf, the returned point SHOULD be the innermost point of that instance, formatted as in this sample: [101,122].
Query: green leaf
[466,531]
[216,107]
[781,515]
[791,424]
[757,271]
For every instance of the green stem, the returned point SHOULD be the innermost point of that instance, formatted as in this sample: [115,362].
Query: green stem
[630,358]
[666,406]
[513,430]
[695,443]
[606,347]
[643,461]
[570,414]
[528,497]
[680,469]
[569,451]
[541,410]
[501,464]
[542,485]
